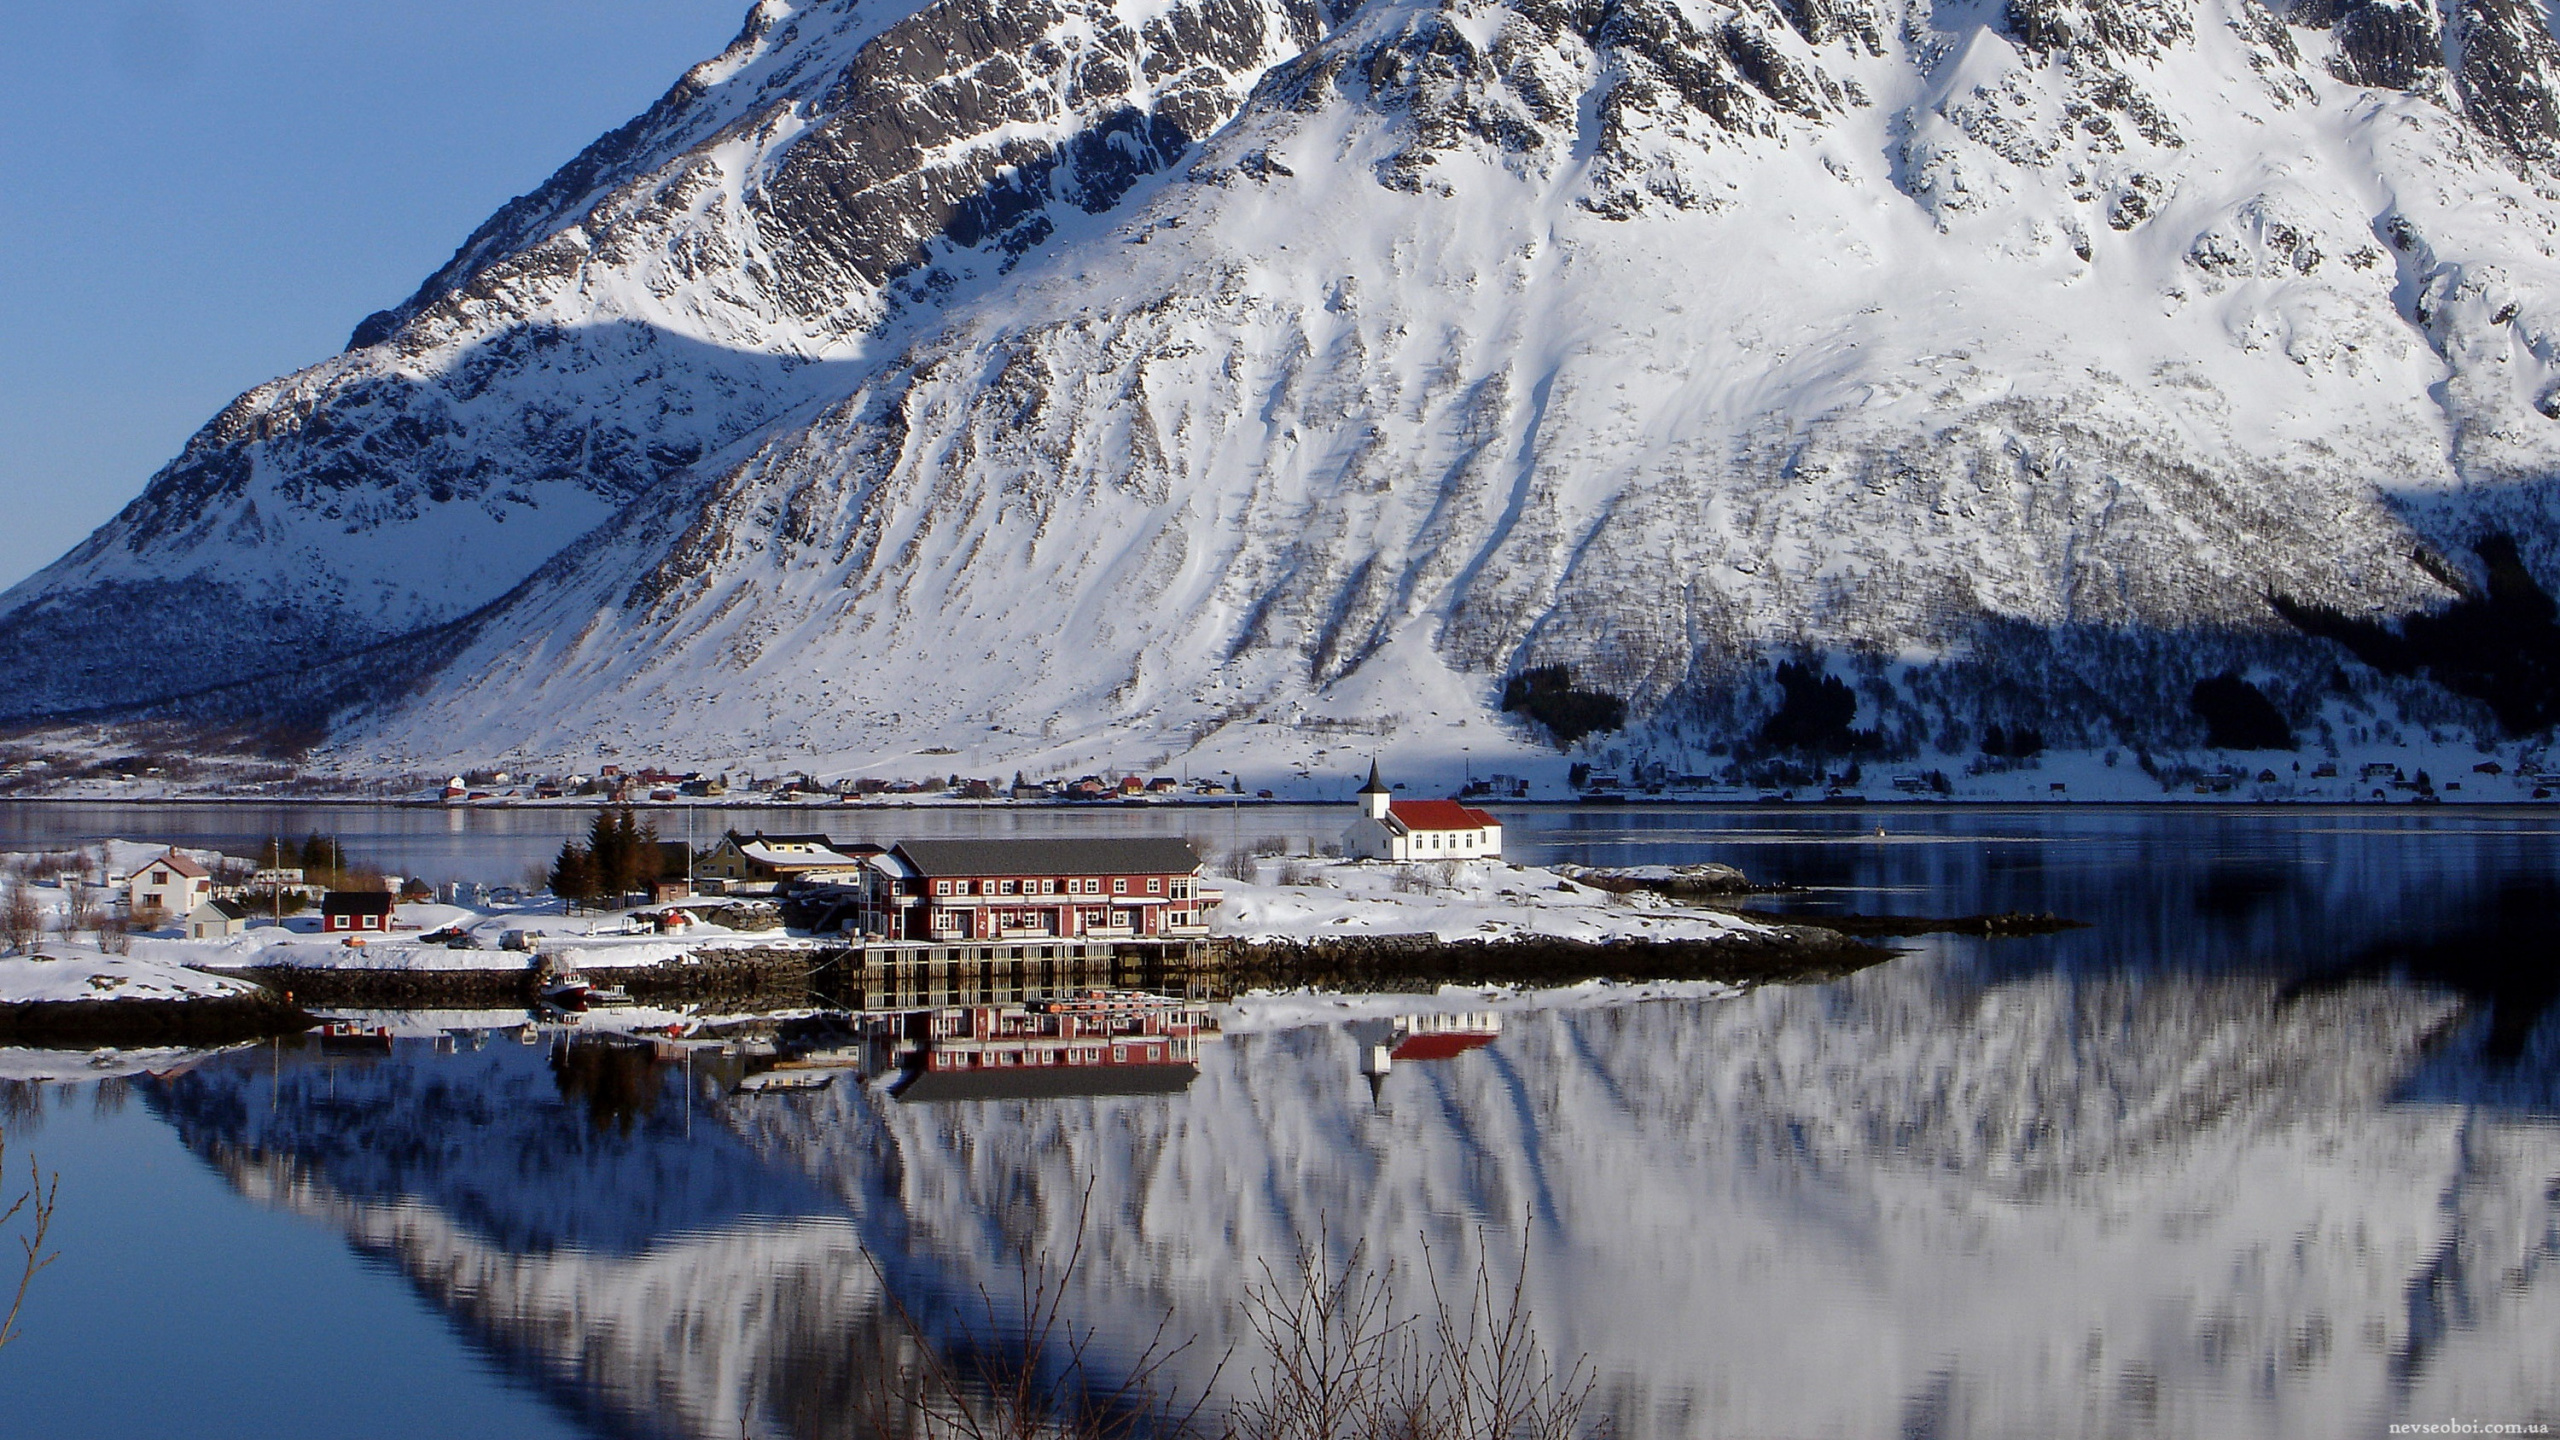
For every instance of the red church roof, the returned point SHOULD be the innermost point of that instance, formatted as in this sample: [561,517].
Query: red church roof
[1438,815]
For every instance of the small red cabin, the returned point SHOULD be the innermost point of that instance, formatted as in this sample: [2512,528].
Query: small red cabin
[351,912]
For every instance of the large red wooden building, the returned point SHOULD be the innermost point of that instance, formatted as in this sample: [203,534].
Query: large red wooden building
[1140,889]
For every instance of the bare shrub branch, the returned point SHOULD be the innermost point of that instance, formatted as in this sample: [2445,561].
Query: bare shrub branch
[37,1203]
[1339,1359]
[1340,1363]
[21,922]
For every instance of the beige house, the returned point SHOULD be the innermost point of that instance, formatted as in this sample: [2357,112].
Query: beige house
[166,890]
[215,919]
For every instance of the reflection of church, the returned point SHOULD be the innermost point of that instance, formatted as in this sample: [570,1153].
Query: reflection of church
[1417,1038]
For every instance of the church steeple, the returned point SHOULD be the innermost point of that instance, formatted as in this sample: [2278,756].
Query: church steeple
[1375,796]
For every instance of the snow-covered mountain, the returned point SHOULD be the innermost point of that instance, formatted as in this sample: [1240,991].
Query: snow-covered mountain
[1082,379]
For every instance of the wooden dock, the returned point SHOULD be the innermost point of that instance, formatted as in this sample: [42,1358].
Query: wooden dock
[908,974]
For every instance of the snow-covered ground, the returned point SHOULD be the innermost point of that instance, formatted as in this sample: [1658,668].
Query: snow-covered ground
[589,941]
[1298,899]
[1452,899]
[59,971]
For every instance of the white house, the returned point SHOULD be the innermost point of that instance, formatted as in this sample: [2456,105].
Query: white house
[167,889]
[1392,829]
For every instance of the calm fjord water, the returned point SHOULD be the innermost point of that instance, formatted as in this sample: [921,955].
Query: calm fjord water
[2272,1149]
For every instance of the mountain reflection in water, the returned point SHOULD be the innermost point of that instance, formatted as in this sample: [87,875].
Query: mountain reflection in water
[1924,1200]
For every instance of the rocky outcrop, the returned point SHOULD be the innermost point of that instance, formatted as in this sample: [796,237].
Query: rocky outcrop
[2388,44]
[2509,76]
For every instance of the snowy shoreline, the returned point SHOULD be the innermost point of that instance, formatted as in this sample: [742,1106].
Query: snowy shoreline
[63,994]
[1282,923]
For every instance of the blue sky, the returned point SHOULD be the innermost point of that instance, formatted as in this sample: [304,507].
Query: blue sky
[197,196]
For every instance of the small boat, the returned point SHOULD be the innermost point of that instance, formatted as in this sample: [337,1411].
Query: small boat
[568,990]
[347,1035]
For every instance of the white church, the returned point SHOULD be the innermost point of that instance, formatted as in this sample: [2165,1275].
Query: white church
[1392,829]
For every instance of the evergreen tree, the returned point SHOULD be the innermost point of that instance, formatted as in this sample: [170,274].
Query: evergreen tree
[573,876]
[649,862]
[319,858]
[608,867]
[622,852]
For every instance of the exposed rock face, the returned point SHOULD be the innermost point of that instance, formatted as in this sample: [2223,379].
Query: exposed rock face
[2388,44]
[2509,69]
[2033,344]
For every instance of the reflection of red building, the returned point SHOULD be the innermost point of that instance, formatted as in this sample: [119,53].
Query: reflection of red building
[1097,1044]
[1417,1038]
[1446,1043]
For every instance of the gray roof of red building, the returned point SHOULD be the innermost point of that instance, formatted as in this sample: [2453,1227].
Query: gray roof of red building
[356,902]
[1152,855]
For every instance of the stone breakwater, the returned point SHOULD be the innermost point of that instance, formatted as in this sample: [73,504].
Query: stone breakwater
[762,977]
[785,977]
[202,1020]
